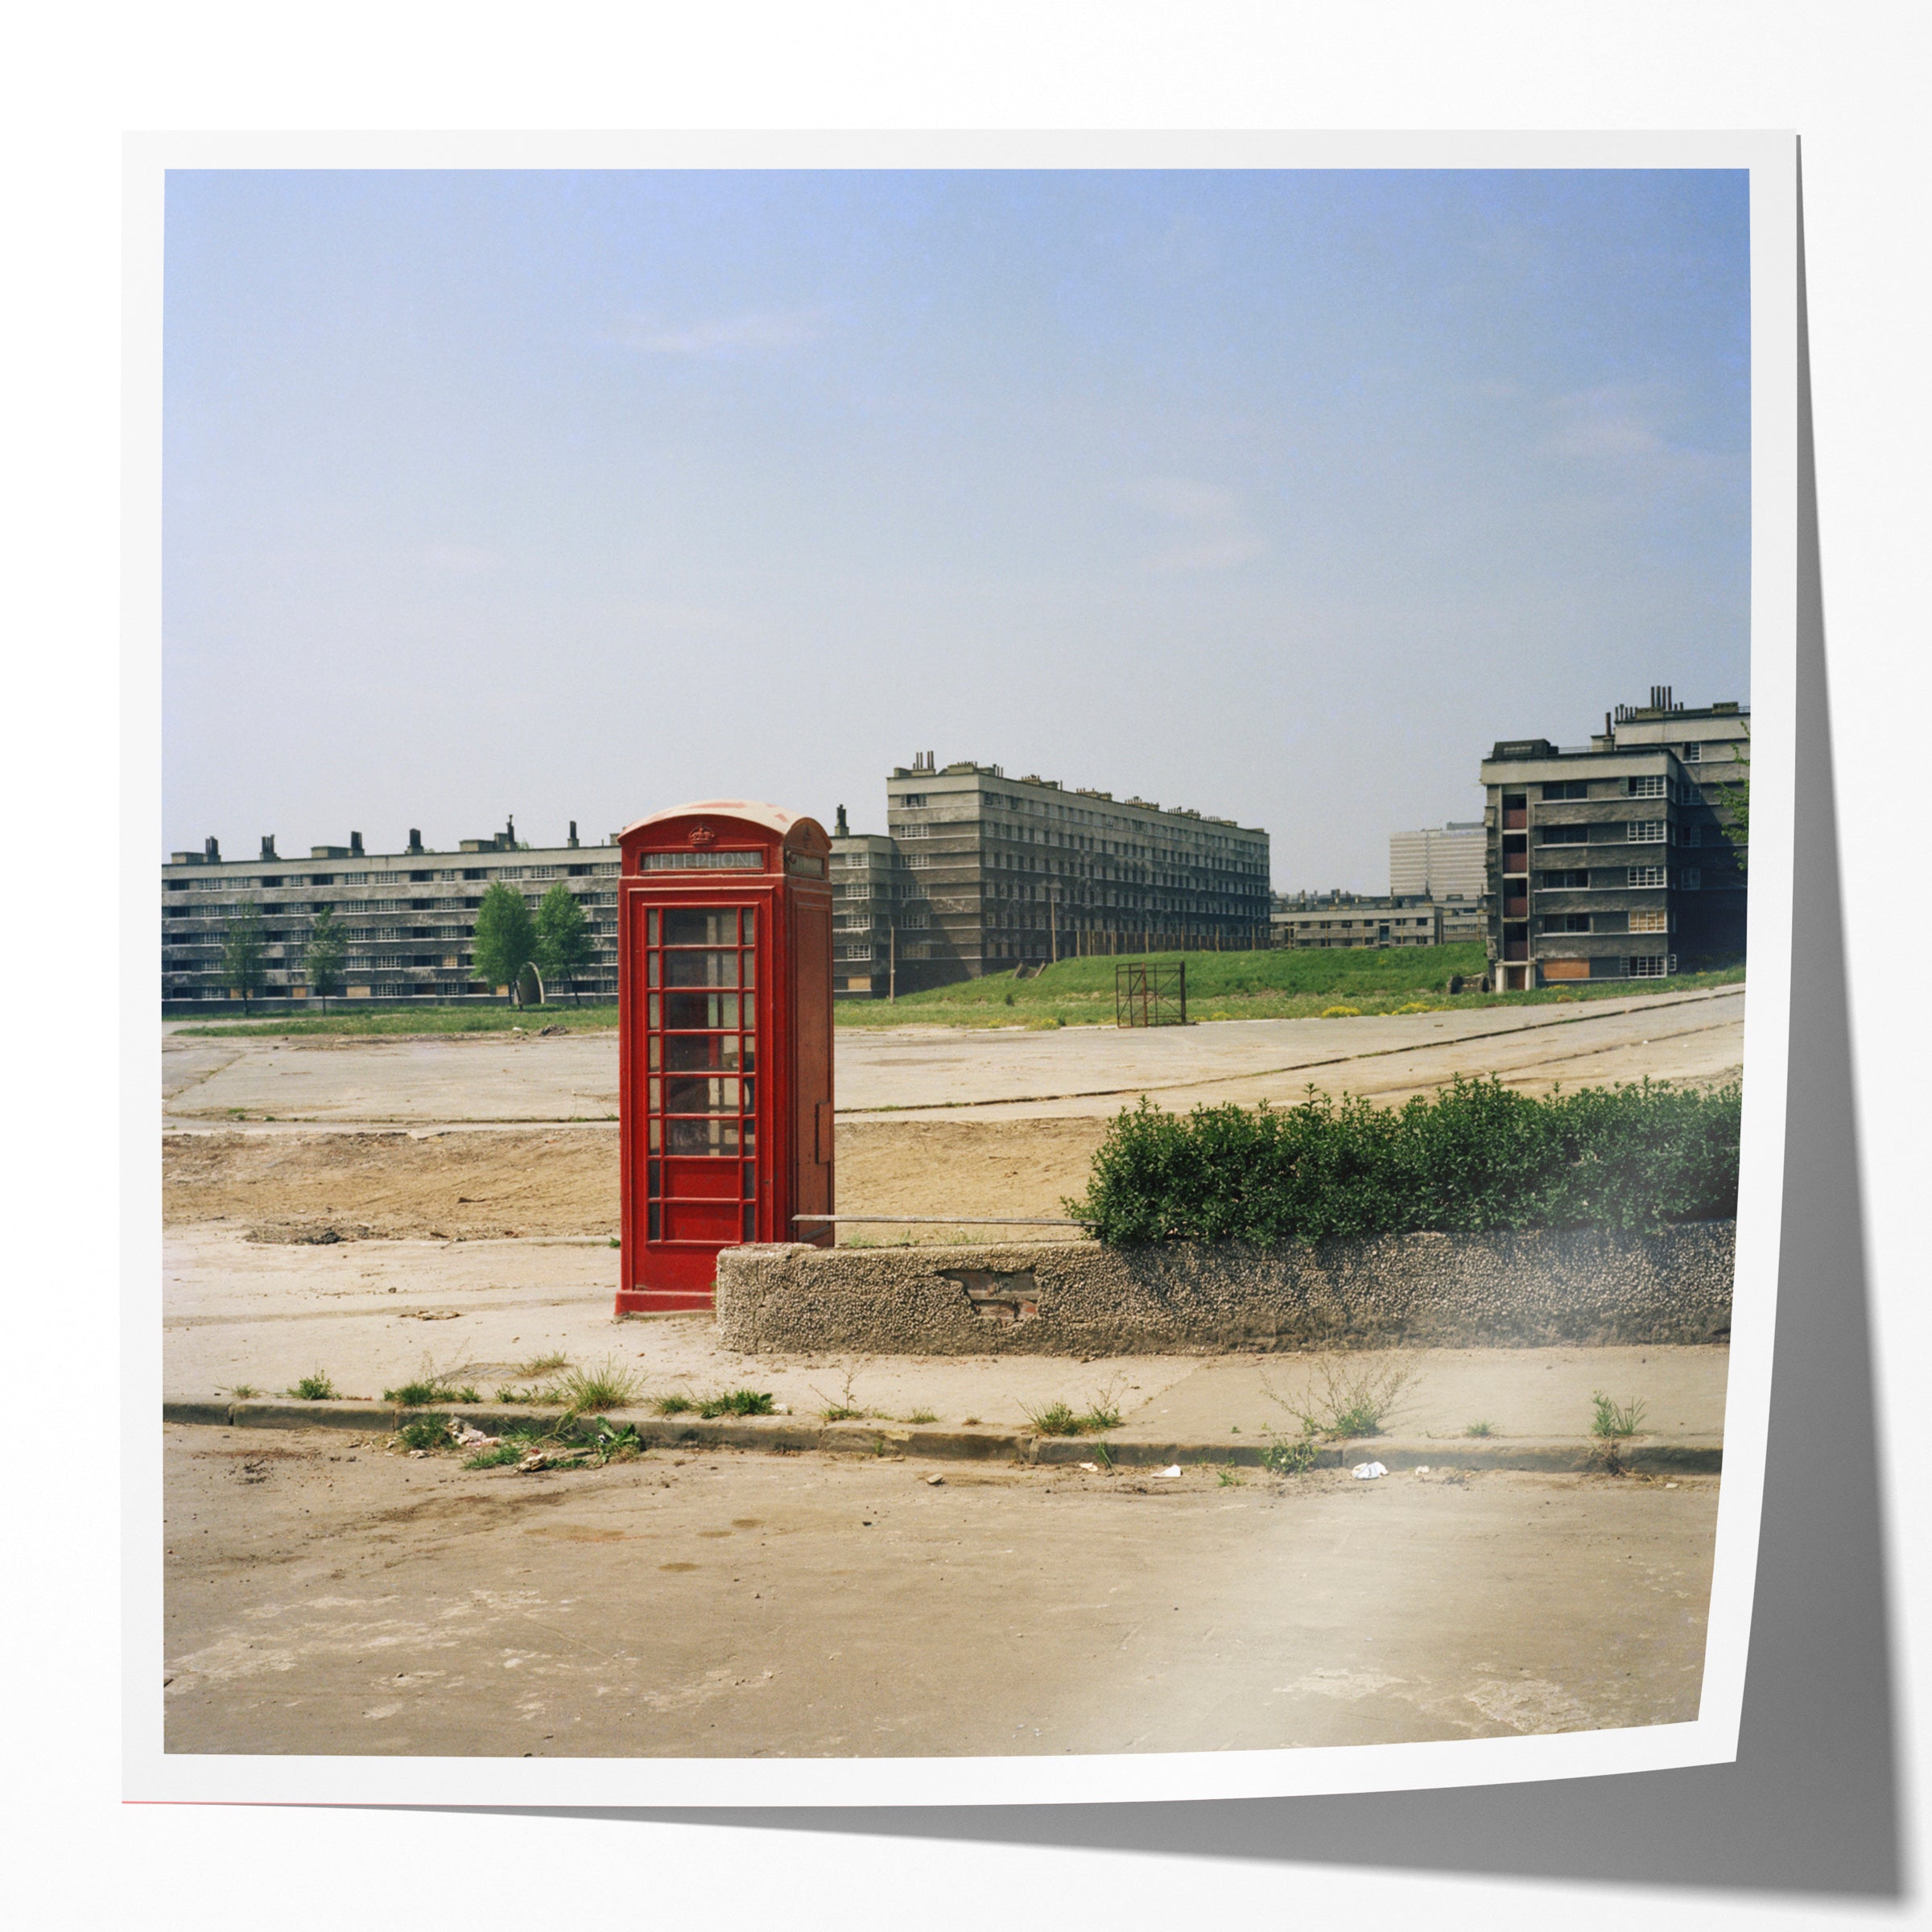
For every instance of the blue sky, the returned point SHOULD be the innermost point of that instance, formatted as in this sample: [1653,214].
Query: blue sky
[1281,495]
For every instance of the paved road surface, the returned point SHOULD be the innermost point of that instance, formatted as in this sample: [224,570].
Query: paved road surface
[935,1073]
[326,1598]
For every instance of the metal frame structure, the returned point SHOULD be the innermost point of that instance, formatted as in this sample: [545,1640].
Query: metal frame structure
[1148,995]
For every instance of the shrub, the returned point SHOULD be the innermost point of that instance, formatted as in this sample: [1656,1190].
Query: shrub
[1475,1155]
[317,1388]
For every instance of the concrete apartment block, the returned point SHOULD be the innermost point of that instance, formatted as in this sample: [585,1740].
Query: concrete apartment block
[1625,858]
[1349,919]
[407,916]
[979,872]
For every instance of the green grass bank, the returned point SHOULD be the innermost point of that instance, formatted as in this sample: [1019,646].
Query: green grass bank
[1286,985]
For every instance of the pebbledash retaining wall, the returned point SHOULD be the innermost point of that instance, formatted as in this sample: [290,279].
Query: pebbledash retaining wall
[1079,1298]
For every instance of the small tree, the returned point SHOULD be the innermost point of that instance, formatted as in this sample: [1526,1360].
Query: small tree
[1735,793]
[244,957]
[324,957]
[563,938]
[506,939]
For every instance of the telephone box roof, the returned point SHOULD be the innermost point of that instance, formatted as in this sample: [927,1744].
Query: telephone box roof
[774,819]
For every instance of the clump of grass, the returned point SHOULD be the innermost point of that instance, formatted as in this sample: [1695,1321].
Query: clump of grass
[737,1401]
[425,1389]
[1230,1477]
[497,1457]
[606,1385]
[676,1403]
[541,1364]
[1348,1399]
[425,1432]
[919,1415]
[1341,1013]
[1480,1429]
[317,1388]
[1054,1418]
[1416,1006]
[242,1391]
[1612,1426]
[1061,1418]
[1290,1455]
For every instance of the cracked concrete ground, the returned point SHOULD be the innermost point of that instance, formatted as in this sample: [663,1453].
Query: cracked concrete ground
[326,1596]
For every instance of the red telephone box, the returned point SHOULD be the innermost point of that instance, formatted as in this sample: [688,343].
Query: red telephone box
[725,1016]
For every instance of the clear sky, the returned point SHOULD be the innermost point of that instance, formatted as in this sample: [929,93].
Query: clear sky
[1279,495]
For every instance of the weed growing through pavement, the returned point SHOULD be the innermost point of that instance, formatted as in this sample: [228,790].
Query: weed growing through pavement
[842,1408]
[607,1385]
[1054,1418]
[419,1393]
[1612,1426]
[1347,1399]
[541,1364]
[676,1403]
[317,1388]
[1060,1418]
[242,1391]
[1290,1455]
[425,1432]
[919,1415]
[738,1402]
[1230,1476]
[1480,1429]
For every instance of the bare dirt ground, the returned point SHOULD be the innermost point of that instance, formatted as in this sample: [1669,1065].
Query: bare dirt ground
[563,1181]
[324,1595]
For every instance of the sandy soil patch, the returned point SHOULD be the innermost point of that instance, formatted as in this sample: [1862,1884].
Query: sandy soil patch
[478,1186]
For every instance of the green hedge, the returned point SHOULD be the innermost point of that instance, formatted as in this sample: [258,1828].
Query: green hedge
[1476,1155]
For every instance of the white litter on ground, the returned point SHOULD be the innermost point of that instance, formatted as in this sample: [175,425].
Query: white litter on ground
[1367,1472]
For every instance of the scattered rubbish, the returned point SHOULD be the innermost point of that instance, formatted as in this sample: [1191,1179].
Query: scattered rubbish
[1669,1485]
[467,1436]
[536,1459]
[1094,1467]
[1367,1472]
[543,1033]
[934,1481]
[416,1455]
[1422,1468]
[1172,1469]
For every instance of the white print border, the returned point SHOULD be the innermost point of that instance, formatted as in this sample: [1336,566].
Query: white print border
[150,1774]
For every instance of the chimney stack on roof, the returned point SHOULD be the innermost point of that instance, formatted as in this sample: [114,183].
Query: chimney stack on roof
[268,845]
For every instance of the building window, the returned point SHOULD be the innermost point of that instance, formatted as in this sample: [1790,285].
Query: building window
[1655,920]
[915,831]
[1651,966]
[1566,835]
[1691,754]
[1646,875]
[1647,787]
[913,801]
[1570,788]
[1644,832]
[1690,879]
[1566,921]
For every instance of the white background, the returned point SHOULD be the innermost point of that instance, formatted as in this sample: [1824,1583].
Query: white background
[1850,81]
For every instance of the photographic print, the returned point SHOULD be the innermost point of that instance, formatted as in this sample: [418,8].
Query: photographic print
[955,945]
